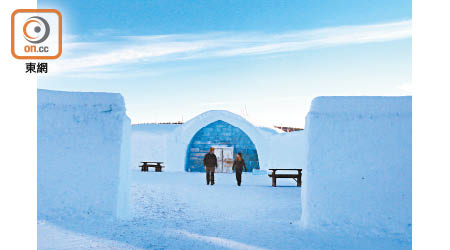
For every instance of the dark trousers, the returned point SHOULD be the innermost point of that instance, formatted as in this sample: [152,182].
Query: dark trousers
[210,175]
[239,177]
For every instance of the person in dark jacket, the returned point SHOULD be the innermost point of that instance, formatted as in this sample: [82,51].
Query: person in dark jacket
[239,165]
[210,163]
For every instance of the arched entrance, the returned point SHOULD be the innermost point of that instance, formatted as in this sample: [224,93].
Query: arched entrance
[228,141]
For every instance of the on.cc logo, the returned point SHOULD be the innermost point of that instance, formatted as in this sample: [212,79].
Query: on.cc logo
[36,29]
[36,34]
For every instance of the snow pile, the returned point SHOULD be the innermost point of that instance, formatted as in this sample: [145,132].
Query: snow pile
[358,175]
[149,142]
[83,154]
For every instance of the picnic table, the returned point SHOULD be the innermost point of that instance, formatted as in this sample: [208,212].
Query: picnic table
[297,177]
[152,164]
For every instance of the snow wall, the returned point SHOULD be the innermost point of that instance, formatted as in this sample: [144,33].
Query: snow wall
[358,174]
[149,142]
[83,142]
[288,150]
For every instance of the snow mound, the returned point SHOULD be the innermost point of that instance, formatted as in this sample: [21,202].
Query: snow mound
[358,174]
[83,154]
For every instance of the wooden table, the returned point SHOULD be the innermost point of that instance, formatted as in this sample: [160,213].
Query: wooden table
[296,177]
[152,164]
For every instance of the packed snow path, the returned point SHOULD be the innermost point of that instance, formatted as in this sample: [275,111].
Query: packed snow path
[179,211]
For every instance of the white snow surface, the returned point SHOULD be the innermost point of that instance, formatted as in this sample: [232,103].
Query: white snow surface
[288,150]
[83,155]
[155,128]
[177,210]
[358,172]
[270,131]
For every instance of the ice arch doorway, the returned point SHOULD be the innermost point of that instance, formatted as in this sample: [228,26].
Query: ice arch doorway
[227,140]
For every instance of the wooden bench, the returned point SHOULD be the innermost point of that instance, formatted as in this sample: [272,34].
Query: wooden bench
[296,177]
[152,164]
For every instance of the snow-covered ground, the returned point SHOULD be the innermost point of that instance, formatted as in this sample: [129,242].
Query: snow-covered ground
[177,210]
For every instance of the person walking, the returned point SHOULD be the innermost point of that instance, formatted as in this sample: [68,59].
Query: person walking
[210,163]
[239,165]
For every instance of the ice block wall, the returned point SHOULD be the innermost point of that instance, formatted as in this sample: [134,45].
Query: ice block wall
[358,174]
[83,154]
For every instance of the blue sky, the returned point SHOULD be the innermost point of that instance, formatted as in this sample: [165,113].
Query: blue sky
[265,60]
